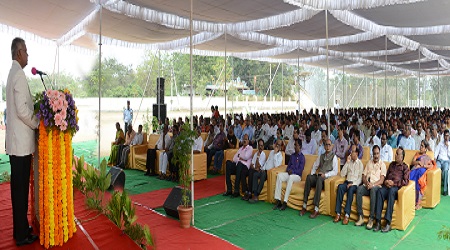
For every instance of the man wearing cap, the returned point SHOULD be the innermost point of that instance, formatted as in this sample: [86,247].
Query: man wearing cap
[127,116]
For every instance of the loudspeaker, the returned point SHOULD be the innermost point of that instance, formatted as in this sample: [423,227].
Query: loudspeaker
[173,201]
[117,178]
[163,111]
[160,90]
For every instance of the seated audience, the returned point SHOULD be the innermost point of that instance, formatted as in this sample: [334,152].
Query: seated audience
[309,146]
[239,167]
[293,174]
[397,176]
[162,143]
[372,179]
[324,167]
[165,158]
[137,140]
[385,149]
[352,170]
[258,160]
[442,156]
[340,145]
[119,140]
[419,166]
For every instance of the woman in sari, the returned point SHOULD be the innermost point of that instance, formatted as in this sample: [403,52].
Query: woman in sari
[120,139]
[419,166]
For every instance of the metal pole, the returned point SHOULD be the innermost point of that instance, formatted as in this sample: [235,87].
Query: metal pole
[439,91]
[282,87]
[396,88]
[298,78]
[225,75]
[343,84]
[418,81]
[99,85]
[191,121]
[367,104]
[385,77]
[328,73]
[270,81]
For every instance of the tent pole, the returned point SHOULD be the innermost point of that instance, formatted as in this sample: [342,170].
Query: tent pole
[385,77]
[328,73]
[158,87]
[367,104]
[282,87]
[343,85]
[298,78]
[191,120]
[225,76]
[418,81]
[439,91]
[99,85]
[396,88]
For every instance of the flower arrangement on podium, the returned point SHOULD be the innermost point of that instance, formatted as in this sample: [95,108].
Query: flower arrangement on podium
[57,113]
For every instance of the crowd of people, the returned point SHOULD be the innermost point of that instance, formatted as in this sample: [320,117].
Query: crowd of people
[298,134]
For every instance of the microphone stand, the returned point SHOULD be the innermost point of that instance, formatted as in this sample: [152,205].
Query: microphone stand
[42,79]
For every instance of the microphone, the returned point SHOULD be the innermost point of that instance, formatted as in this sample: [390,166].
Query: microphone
[34,71]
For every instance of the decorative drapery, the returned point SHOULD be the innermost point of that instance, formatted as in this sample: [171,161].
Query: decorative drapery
[346,4]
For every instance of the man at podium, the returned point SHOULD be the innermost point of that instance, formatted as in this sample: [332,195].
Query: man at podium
[20,140]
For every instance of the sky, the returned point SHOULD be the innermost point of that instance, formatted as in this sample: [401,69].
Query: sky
[43,58]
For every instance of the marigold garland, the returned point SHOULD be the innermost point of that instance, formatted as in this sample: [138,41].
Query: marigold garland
[55,201]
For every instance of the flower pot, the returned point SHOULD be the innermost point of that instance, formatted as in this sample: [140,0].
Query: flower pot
[185,214]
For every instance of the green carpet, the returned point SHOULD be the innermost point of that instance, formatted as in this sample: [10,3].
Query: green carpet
[257,226]
[137,183]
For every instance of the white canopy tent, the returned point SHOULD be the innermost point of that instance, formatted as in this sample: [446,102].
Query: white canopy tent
[370,37]
[269,30]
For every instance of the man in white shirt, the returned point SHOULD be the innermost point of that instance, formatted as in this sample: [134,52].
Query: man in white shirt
[288,131]
[386,150]
[198,143]
[407,142]
[372,140]
[256,170]
[316,134]
[442,156]
[419,136]
[310,145]
[161,144]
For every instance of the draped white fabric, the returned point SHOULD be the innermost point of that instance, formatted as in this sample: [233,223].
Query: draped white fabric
[346,4]
[268,30]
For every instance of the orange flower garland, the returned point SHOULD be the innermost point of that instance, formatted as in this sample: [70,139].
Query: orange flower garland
[55,194]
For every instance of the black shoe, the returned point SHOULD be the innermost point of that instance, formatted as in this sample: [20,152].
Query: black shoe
[277,205]
[153,174]
[227,193]
[147,174]
[30,231]
[28,240]
[377,227]
[235,195]
[386,229]
[445,193]
[246,197]
[283,206]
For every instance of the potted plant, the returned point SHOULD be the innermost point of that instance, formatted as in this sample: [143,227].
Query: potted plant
[182,157]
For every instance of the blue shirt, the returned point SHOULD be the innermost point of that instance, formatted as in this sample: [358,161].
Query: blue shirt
[296,164]
[392,141]
[238,131]
[127,115]
[249,131]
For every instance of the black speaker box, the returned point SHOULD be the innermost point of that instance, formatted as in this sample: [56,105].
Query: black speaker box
[117,178]
[173,201]
[160,90]
[162,110]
